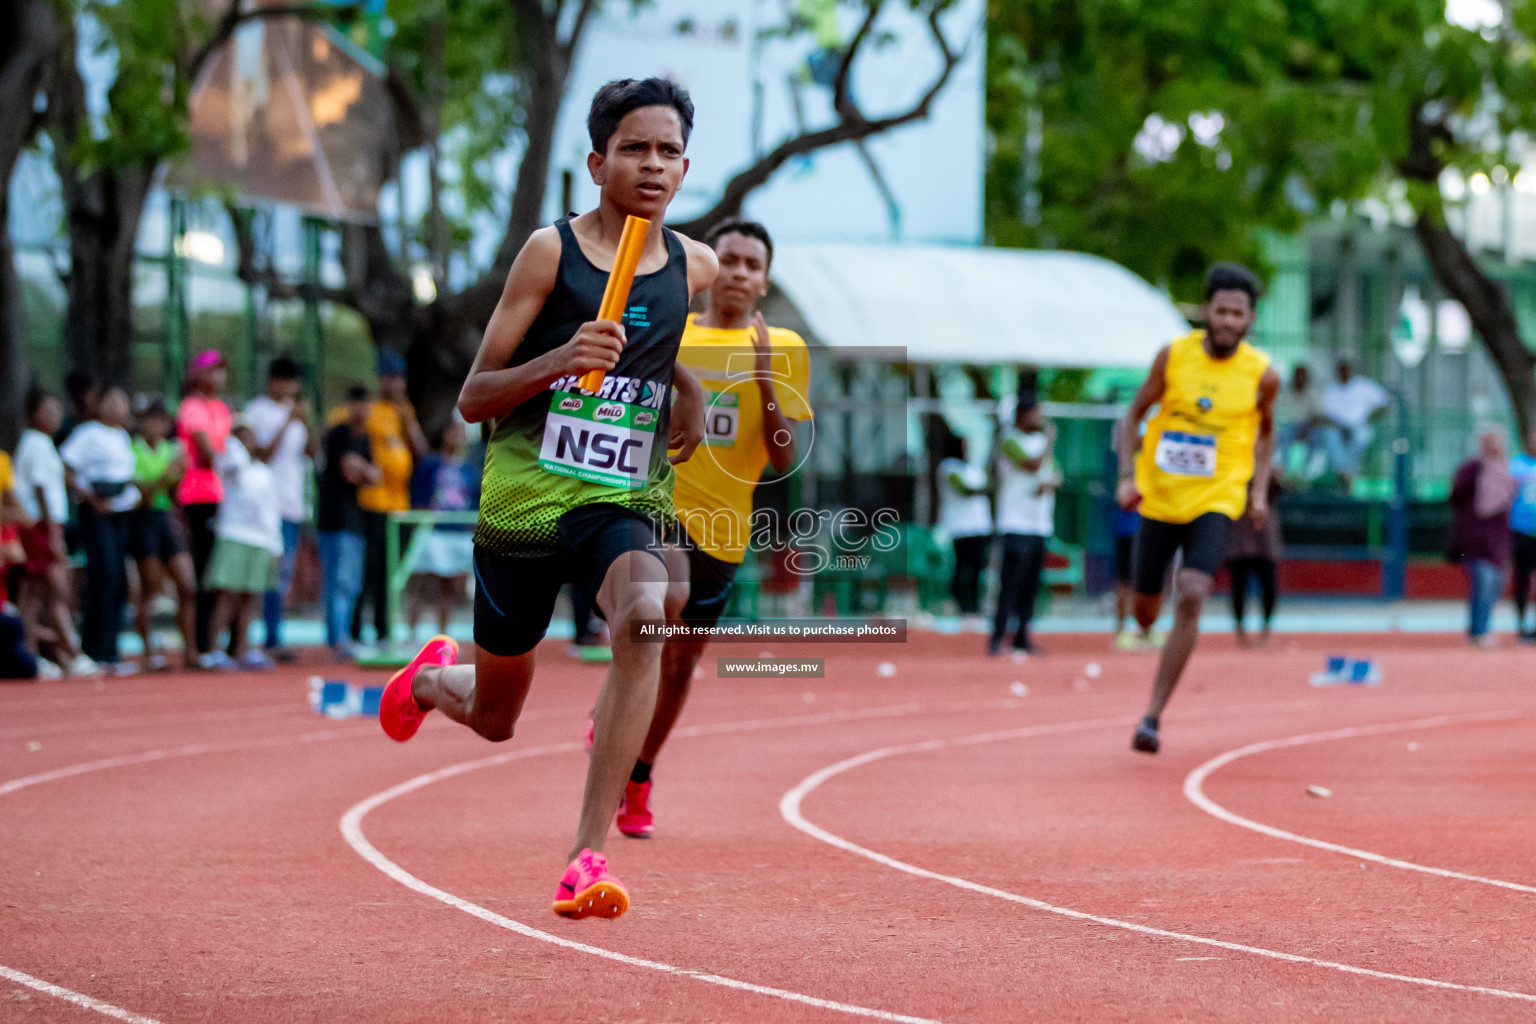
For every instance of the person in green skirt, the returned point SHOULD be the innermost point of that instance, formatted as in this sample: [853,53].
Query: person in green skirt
[247,547]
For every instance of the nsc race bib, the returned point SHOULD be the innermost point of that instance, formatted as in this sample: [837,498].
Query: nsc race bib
[598,440]
[722,419]
[1186,454]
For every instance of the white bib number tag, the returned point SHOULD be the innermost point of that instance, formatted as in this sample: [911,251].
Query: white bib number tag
[722,418]
[1186,454]
[597,440]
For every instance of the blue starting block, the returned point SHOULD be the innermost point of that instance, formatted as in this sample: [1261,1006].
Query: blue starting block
[1343,669]
[337,698]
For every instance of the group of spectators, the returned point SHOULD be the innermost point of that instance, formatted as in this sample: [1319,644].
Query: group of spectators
[1027,479]
[214,505]
[1335,426]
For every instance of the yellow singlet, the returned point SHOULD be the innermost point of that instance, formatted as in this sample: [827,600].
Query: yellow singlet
[1197,456]
[713,493]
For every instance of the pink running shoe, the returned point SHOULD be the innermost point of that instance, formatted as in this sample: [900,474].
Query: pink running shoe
[591,730]
[588,890]
[635,811]
[399,713]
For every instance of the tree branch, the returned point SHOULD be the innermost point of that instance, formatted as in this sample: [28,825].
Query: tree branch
[840,101]
[578,28]
[848,129]
[235,16]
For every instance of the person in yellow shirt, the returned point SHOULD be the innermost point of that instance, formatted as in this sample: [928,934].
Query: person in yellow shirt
[755,380]
[397,442]
[1204,461]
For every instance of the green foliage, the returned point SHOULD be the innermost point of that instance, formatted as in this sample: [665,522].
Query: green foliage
[1317,99]
[149,43]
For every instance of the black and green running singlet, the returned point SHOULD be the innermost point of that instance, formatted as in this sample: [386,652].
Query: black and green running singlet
[565,447]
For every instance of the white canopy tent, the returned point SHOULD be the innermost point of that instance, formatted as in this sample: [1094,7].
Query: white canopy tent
[973,305]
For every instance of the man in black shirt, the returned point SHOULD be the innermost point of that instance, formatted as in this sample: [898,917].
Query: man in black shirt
[345,465]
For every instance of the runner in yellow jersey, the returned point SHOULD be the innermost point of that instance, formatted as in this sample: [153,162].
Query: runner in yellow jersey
[755,380]
[1203,463]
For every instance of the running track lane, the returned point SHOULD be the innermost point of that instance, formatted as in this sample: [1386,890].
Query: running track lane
[1197,742]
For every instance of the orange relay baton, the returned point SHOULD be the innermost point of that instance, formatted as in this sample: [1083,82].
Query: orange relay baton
[620,278]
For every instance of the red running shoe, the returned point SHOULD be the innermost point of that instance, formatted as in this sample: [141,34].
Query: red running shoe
[635,812]
[588,890]
[399,713]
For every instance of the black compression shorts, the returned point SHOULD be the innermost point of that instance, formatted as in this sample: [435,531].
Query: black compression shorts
[515,597]
[1203,540]
[709,586]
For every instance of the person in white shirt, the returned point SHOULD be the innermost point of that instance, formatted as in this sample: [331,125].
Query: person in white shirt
[965,513]
[43,597]
[1026,514]
[1348,406]
[98,456]
[247,547]
[280,425]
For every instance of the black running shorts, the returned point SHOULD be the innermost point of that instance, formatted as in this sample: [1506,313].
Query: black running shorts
[1203,540]
[515,597]
[709,586]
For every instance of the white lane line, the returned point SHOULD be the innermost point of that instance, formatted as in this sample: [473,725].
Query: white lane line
[1194,790]
[70,996]
[351,829]
[89,726]
[790,809]
[168,752]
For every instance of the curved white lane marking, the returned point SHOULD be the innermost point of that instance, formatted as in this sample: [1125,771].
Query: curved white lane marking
[351,829]
[789,808]
[70,996]
[163,753]
[1194,790]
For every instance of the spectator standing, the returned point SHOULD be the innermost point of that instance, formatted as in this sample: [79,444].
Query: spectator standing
[43,596]
[965,513]
[247,552]
[1482,494]
[1348,406]
[444,482]
[397,442]
[345,465]
[1253,554]
[280,426]
[99,459]
[1026,514]
[202,426]
[1522,526]
[156,538]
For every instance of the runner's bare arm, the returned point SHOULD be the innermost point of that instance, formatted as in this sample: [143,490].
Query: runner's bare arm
[1263,448]
[1148,395]
[687,415]
[703,265]
[494,388]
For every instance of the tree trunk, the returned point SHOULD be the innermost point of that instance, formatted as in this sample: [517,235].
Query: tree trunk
[1488,307]
[28,34]
[103,212]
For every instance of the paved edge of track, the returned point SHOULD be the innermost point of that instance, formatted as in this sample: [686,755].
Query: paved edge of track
[790,804]
[70,996]
[1194,790]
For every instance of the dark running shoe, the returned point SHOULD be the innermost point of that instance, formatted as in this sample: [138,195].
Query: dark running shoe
[1145,738]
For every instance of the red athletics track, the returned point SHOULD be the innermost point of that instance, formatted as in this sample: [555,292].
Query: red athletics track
[923,847]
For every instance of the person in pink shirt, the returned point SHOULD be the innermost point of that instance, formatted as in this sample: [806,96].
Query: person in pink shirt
[202,425]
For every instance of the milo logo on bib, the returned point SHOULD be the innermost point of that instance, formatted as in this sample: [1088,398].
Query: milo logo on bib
[599,441]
